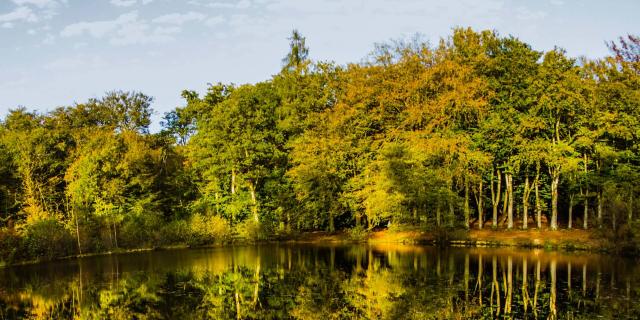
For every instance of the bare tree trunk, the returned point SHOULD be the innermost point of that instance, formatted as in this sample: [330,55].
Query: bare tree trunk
[466,203]
[254,202]
[509,179]
[75,217]
[571,197]
[630,208]
[538,203]
[480,204]
[115,233]
[600,200]
[555,181]
[585,218]
[495,197]
[525,203]
[438,222]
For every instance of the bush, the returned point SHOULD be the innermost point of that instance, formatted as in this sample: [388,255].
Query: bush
[48,239]
[140,230]
[175,232]
[208,229]
[10,243]
[250,230]
[358,233]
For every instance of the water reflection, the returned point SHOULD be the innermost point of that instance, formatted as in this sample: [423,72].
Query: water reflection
[324,282]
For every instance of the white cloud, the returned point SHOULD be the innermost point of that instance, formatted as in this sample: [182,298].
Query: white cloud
[224,4]
[99,29]
[179,18]
[127,3]
[123,3]
[7,25]
[19,14]
[126,29]
[37,3]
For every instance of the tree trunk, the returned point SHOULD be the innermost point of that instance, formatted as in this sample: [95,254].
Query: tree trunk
[555,181]
[254,202]
[585,218]
[600,200]
[479,202]
[466,203]
[538,203]
[525,203]
[509,178]
[585,215]
[115,233]
[438,222]
[630,209]
[495,197]
[570,224]
[75,217]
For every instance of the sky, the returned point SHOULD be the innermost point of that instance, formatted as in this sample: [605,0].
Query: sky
[59,52]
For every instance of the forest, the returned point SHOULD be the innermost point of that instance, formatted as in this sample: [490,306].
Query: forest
[476,131]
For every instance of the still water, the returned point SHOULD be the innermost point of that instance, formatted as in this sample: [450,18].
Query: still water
[326,282]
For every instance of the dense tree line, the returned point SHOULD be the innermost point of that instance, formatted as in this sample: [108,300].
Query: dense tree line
[477,131]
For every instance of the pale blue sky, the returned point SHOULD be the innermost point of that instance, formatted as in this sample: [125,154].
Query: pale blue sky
[56,52]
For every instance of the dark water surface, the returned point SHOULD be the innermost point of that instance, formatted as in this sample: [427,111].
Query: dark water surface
[325,282]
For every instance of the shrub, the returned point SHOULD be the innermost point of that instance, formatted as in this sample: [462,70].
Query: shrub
[250,230]
[47,238]
[358,233]
[10,243]
[207,229]
[175,232]
[140,230]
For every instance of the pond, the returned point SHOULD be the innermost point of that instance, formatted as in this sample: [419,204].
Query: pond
[279,281]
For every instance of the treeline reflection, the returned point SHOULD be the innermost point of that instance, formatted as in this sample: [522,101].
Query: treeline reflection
[325,282]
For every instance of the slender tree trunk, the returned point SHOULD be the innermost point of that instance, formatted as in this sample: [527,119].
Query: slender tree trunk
[585,214]
[600,200]
[555,181]
[525,203]
[466,203]
[509,179]
[570,224]
[438,222]
[75,217]
[538,202]
[452,212]
[115,233]
[254,202]
[479,202]
[585,217]
[495,197]
[630,209]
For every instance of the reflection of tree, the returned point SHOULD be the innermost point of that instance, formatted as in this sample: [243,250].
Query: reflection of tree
[358,282]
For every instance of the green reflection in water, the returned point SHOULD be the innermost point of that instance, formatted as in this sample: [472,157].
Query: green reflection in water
[321,282]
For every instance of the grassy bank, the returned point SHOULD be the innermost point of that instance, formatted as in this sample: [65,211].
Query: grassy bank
[551,240]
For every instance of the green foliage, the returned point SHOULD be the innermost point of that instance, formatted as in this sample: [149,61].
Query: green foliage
[207,230]
[425,136]
[47,239]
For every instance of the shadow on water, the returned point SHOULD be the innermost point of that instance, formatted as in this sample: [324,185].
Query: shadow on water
[325,282]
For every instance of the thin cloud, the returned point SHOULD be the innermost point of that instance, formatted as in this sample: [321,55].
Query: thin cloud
[179,18]
[19,14]
[123,3]
[128,29]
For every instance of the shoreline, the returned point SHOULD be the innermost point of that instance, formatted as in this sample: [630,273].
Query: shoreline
[560,240]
